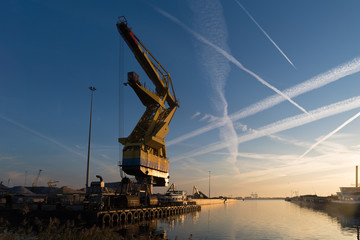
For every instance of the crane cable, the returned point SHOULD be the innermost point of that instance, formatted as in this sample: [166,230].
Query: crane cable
[121,101]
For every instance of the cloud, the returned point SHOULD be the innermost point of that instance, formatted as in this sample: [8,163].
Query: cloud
[105,156]
[296,169]
[111,170]
[229,57]
[4,158]
[209,118]
[263,31]
[216,65]
[313,83]
[195,115]
[13,178]
[242,127]
[281,125]
[289,140]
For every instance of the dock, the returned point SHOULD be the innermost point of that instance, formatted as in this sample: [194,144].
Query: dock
[136,215]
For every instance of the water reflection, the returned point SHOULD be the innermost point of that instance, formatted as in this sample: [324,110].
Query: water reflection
[250,220]
[175,221]
[145,229]
[266,219]
[348,223]
[253,219]
[256,219]
[155,229]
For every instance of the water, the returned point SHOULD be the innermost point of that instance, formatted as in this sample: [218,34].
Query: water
[251,219]
[258,219]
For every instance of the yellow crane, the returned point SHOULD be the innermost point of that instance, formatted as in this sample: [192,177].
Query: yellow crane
[36,179]
[52,183]
[144,152]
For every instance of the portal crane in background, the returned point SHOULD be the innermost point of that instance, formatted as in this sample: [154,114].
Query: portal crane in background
[144,151]
[52,183]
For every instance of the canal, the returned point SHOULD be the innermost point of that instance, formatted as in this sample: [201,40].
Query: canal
[258,219]
[250,219]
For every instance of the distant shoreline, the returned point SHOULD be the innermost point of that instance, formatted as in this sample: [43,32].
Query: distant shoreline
[265,198]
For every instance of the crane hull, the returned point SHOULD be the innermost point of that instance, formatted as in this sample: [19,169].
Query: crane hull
[141,163]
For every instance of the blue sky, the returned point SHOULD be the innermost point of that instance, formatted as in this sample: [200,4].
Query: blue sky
[268,91]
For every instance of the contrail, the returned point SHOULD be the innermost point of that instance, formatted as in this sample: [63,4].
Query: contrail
[316,82]
[258,25]
[282,125]
[41,135]
[271,157]
[229,57]
[108,167]
[331,133]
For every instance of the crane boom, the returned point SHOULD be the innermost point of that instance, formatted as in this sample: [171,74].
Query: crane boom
[144,152]
[155,71]
[37,178]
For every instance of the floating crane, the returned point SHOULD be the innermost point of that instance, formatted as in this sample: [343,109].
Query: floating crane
[144,152]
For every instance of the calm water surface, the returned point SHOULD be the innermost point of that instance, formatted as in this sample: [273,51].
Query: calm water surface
[258,219]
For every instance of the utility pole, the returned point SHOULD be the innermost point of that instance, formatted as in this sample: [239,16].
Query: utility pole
[209,184]
[92,89]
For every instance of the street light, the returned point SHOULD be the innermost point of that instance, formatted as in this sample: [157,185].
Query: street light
[92,89]
[209,183]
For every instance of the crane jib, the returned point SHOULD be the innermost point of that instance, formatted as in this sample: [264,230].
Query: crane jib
[156,73]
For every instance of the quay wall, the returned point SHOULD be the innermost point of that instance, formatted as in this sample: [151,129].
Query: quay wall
[128,216]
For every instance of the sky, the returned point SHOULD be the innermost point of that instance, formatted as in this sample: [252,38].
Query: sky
[268,92]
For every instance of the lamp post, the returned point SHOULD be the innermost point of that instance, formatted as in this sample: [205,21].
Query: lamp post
[92,89]
[209,184]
